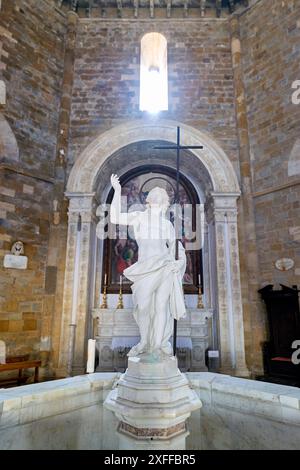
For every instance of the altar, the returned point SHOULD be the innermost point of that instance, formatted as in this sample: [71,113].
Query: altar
[116,332]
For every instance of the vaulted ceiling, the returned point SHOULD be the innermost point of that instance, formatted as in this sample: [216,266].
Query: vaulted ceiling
[100,7]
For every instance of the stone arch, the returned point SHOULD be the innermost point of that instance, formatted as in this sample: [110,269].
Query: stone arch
[9,150]
[294,160]
[221,212]
[86,168]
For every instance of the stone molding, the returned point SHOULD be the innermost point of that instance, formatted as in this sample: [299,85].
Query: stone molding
[84,173]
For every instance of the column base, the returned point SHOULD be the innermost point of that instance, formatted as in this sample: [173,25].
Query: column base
[241,371]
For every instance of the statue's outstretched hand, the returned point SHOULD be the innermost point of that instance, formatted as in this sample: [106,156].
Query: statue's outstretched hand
[115,183]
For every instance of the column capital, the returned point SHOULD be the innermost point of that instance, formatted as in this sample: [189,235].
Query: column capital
[222,199]
[222,207]
[84,204]
[81,201]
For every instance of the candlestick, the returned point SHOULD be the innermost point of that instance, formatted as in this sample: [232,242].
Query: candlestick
[90,366]
[200,300]
[104,297]
[120,301]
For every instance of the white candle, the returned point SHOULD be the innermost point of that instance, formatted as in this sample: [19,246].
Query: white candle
[105,279]
[199,280]
[121,280]
[90,367]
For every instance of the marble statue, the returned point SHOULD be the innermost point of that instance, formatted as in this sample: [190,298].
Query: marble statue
[157,277]
[17,249]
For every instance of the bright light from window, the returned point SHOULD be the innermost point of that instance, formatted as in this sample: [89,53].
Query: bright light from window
[154,73]
[154,95]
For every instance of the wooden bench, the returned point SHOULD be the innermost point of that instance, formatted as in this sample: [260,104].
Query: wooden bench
[20,366]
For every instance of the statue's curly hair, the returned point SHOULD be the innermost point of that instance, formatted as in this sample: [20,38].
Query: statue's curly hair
[158,196]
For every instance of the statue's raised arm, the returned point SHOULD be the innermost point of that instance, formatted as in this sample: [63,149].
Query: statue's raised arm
[116,214]
[157,275]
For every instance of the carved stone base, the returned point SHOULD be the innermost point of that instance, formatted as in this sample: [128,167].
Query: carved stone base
[152,400]
[151,433]
[127,441]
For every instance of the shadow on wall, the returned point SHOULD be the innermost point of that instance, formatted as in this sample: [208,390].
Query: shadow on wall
[9,151]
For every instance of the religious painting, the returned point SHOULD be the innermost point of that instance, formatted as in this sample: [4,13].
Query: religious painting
[122,252]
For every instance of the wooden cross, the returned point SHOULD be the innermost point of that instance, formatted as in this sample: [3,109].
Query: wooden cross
[177,147]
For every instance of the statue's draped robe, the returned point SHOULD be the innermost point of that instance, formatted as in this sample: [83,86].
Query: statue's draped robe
[148,275]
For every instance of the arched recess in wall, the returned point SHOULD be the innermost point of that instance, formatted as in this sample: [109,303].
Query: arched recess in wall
[9,150]
[135,185]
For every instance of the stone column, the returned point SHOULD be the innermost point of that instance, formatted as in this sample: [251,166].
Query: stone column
[211,241]
[206,268]
[223,211]
[58,229]
[254,315]
[78,273]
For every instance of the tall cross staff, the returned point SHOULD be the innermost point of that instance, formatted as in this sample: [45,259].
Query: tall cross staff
[177,147]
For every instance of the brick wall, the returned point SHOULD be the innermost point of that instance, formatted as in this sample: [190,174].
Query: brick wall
[32,63]
[32,59]
[106,88]
[24,211]
[270,33]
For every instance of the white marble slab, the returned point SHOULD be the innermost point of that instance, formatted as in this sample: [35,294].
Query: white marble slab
[15,262]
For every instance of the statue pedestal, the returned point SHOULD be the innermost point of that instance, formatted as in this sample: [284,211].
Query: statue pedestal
[152,401]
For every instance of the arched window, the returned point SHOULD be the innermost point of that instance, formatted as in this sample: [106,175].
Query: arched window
[154,73]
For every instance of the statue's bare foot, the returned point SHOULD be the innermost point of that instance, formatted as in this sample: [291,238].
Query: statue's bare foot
[167,349]
[136,350]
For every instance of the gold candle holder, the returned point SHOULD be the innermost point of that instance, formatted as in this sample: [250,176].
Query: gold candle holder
[200,299]
[104,295]
[120,301]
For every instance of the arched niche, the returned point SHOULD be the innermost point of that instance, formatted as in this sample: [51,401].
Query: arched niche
[221,193]
[84,174]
